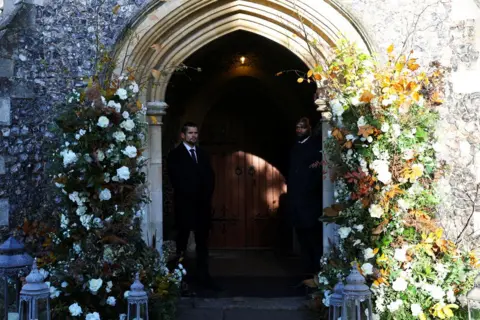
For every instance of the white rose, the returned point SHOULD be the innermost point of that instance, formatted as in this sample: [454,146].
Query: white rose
[119,136]
[368,253]
[95,284]
[100,155]
[92,316]
[395,305]
[130,151]
[399,285]
[111,301]
[75,310]
[127,125]
[115,105]
[105,194]
[125,294]
[385,127]
[367,268]
[375,211]
[64,284]
[369,139]
[69,157]
[344,232]
[401,255]
[416,309]
[361,122]
[125,115]
[122,94]
[103,122]
[123,173]
[358,227]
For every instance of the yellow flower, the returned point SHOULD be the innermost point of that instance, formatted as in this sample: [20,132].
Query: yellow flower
[442,311]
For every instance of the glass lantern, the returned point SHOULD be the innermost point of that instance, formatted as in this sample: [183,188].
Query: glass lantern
[357,298]
[34,297]
[336,301]
[473,300]
[137,301]
[14,264]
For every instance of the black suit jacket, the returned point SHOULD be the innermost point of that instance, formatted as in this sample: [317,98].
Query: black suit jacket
[193,185]
[304,191]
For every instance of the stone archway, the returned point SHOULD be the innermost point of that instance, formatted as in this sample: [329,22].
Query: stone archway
[166,33]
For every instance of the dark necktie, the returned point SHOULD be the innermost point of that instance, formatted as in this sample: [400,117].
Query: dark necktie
[192,152]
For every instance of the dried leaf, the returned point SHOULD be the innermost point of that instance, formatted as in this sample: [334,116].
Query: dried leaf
[379,229]
[412,65]
[309,73]
[367,96]
[116,8]
[317,76]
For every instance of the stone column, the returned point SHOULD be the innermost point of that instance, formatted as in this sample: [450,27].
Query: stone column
[329,230]
[154,220]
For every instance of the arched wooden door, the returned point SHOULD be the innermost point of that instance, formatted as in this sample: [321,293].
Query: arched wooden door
[245,202]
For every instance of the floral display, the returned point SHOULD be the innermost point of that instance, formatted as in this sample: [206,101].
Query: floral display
[382,151]
[99,172]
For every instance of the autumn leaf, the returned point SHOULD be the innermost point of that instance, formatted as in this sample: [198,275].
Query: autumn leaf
[436,98]
[300,80]
[366,131]
[379,229]
[317,76]
[348,144]
[337,134]
[412,65]
[333,211]
[156,74]
[390,48]
[116,8]
[366,96]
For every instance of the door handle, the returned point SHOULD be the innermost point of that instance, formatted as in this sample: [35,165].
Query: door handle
[238,171]
[251,170]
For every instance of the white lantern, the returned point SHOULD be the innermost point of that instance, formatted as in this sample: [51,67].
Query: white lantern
[34,297]
[137,301]
[473,300]
[336,300]
[357,297]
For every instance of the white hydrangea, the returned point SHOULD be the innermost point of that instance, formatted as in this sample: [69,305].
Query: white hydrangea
[114,105]
[111,301]
[122,94]
[337,107]
[134,87]
[69,157]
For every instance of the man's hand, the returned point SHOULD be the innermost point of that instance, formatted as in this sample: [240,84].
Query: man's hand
[315,165]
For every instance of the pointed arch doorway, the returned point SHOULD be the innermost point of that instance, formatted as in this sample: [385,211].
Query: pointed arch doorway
[167,32]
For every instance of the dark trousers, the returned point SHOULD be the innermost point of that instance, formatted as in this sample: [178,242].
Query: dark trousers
[201,241]
[311,247]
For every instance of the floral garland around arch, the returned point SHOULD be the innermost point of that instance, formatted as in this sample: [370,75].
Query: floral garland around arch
[99,172]
[381,149]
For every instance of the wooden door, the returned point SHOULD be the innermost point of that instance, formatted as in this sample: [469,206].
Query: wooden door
[245,202]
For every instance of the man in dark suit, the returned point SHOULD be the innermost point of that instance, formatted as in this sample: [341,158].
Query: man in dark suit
[193,182]
[305,195]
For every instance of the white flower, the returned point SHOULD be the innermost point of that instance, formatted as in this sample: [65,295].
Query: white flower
[119,136]
[123,316]
[451,296]
[344,232]
[81,210]
[381,168]
[86,220]
[125,294]
[408,154]
[64,221]
[69,157]
[369,139]
[103,122]
[134,87]
[54,293]
[399,285]
[105,194]
[111,301]
[127,125]
[358,227]
[401,255]
[326,299]
[337,107]
[123,173]
[418,167]
[375,211]
[416,309]
[385,127]
[64,284]
[114,105]
[74,196]
[75,309]
[122,94]
[368,253]
[396,130]
[350,137]
[95,284]
[367,268]
[395,305]
[92,316]
[403,204]
[125,115]
[361,122]
[130,151]
[109,284]
[100,155]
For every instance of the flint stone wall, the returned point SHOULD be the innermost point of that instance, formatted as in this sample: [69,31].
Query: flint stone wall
[48,47]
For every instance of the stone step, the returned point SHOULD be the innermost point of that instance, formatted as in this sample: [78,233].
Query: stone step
[240,308]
